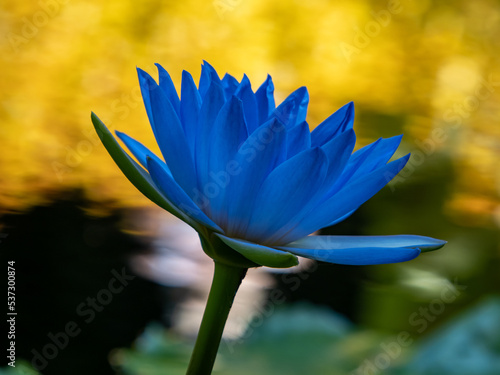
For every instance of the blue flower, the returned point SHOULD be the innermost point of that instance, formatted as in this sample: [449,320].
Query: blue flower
[252,179]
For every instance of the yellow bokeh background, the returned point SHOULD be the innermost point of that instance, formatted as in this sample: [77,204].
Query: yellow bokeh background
[424,68]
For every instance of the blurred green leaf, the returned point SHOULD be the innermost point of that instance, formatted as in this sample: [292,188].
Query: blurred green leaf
[307,339]
[469,344]
[22,368]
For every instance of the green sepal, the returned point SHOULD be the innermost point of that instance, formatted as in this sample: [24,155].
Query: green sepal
[135,173]
[216,249]
[260,254]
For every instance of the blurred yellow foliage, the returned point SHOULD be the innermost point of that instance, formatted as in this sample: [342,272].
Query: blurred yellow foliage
[430,66]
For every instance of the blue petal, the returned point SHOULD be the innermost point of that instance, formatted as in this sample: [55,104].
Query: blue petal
[230,85]
[360,256]
[245,93]
[347,199]
[293,110]
[228,133]
[354,163]
[168,87]
[285,192]
[379,155]
[263,255]
[265,99]
[342,218]
[366,160]
[190,109]
[212,103]
[177,195]
[208,74]
[170,137]
[337,123]
[338,150]
[143,83]
[298,139]
[263,150]
[140,151]
[351,242]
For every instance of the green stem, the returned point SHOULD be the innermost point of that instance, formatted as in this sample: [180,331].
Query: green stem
[225,284]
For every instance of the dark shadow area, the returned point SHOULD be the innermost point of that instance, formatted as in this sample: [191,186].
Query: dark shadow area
[76,298]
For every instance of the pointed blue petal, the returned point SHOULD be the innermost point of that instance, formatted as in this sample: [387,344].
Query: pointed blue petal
[265,99]
[293,110]
[263,150]
[285,192]
[298,139]
[140,151]
[361,256]
[245,93]
[204,82]
[263,255]
[177,195]
[366,160]
[337,123]
[354,163]
[379,155]
[230,85]
[171,138]
[190,109]
[212,103]
[364,152]
[208,74]
[350,242]
[169,88]
[143,83]
[347,199]
[338,150]
[228,133]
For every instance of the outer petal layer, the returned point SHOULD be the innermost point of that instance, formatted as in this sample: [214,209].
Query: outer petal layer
[350,242]
[347,250]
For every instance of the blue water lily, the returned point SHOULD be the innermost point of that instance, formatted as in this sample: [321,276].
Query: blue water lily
[251,177]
